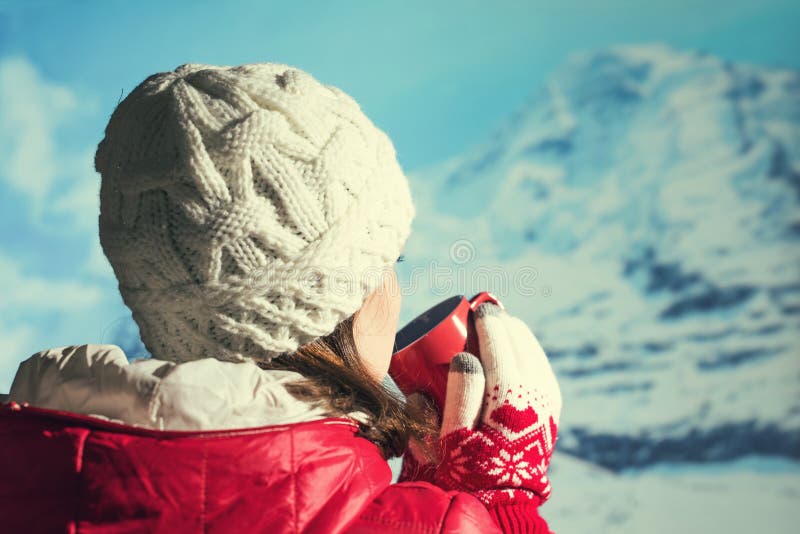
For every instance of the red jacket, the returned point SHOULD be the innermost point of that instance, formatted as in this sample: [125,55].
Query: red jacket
[63,472]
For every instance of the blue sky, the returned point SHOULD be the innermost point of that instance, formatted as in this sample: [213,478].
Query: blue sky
[438,77]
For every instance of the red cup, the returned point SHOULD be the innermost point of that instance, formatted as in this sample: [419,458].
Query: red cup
[427,343]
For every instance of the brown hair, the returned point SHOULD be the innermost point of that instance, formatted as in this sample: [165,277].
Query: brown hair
[337,379]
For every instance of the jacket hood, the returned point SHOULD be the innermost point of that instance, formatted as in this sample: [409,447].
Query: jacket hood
[207,394]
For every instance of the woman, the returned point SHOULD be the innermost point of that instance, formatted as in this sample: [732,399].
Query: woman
[253,216]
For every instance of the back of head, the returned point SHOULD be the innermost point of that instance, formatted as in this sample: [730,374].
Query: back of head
[246,210]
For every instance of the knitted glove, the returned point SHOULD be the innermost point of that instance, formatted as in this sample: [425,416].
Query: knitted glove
[499,424]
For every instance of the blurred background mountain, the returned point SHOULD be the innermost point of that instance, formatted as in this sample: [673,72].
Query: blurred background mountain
[656,194]
[651,196]
[636,204]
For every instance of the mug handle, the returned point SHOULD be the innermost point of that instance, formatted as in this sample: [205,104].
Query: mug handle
[480,298]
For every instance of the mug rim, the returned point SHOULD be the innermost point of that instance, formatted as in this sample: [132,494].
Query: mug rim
[456,301]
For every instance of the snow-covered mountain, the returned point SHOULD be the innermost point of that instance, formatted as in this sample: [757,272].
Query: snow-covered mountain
[652,198]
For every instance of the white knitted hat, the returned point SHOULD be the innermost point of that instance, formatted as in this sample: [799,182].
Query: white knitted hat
[246,210]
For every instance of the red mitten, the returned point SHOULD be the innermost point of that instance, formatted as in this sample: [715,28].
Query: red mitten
[500,418]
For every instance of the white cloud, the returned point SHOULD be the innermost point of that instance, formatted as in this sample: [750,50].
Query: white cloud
[32,112]
[24,294]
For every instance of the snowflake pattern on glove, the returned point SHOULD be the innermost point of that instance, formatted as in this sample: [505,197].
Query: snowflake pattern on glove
[486,458]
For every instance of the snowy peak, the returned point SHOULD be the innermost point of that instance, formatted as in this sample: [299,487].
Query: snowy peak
[656,193]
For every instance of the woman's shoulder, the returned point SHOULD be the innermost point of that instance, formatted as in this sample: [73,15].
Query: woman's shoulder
[203,394]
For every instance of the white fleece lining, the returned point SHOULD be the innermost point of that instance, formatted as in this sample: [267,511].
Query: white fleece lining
[206,394]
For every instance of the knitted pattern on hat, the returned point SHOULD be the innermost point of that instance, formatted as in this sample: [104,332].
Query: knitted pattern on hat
[246,210]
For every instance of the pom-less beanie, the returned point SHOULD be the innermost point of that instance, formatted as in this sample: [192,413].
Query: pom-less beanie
[246,210]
